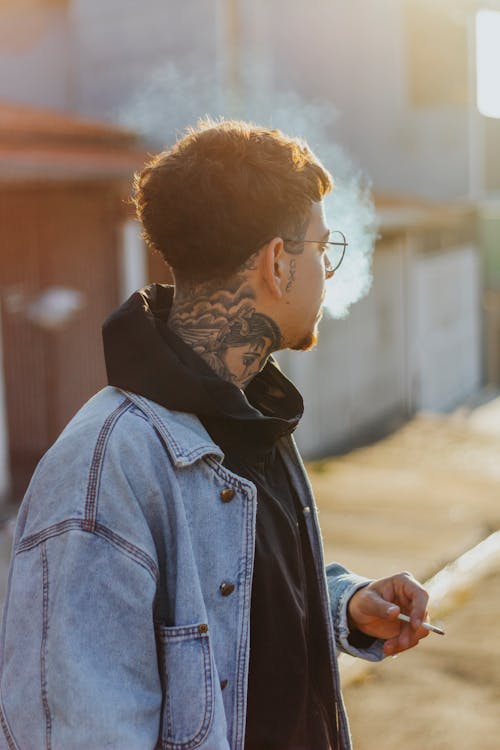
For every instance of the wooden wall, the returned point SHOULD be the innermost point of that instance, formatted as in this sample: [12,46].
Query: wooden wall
[53,236]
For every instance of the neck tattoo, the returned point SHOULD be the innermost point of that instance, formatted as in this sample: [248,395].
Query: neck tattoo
[224,327]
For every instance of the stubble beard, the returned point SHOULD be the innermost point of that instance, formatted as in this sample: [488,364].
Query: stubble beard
[308,342]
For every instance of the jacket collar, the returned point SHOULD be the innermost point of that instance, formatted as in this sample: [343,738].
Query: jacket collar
[183,434]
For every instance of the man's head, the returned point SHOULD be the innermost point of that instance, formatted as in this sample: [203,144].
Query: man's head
[223,191]
[237,212]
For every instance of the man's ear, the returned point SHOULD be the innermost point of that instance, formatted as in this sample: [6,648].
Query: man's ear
[274,265]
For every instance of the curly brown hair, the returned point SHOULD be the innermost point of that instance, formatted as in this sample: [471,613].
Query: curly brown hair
[221,192]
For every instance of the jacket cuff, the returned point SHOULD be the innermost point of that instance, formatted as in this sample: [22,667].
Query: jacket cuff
[342,584]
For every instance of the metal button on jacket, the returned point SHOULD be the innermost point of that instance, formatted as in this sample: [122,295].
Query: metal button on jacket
[223,684]
[226,588]
[227,495]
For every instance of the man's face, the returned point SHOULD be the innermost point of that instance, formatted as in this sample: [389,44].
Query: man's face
[307,288]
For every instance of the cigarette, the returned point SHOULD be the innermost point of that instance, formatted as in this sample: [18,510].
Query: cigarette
[425,625]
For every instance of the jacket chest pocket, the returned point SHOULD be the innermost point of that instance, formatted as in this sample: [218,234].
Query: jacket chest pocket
[186,674]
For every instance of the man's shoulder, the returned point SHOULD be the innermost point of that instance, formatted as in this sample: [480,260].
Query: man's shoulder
[112,455]
[126,416]
[182,433]
[126,430]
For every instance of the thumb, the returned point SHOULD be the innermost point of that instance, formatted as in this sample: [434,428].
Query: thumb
[382,608]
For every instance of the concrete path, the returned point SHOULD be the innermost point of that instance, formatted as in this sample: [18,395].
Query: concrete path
[416,501]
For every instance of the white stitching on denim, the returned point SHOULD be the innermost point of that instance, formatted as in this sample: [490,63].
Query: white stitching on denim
[166,434]
[189,633]
[243,641]
[71,524]
[7,731]
[97,461]
[43,675]
[229,477]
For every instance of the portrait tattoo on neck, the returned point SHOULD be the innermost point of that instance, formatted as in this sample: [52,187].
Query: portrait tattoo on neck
[226,330]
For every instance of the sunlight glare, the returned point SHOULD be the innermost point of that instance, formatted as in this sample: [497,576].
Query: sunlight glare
[488,62]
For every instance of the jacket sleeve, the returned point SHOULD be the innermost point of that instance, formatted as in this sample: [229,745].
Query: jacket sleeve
[80,666]
[342,584]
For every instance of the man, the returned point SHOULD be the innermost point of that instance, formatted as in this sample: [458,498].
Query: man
[167,586]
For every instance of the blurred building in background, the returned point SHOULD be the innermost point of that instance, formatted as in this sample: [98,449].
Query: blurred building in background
[413,343]
[400,72]
[402,77]
[63,182]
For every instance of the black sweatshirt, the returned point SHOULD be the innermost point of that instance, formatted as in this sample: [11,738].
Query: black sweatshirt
[288,686]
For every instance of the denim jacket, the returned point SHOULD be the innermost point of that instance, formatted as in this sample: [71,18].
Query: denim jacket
[126,622]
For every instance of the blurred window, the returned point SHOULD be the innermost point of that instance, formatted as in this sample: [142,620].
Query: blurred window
[488,62]
[436,49]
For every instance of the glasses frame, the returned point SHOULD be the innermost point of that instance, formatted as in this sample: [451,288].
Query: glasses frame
[329,269]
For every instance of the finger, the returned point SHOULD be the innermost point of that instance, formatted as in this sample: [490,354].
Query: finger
[404,590]
[406,639]
[376,606]
[423,632]
[418,601]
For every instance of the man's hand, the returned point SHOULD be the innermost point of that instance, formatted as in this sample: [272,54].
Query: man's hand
[374,609]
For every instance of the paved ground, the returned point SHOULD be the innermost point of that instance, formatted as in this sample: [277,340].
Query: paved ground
[416,501]
[412,501]
[445,694]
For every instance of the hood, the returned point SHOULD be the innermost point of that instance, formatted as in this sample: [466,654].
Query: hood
[145,356]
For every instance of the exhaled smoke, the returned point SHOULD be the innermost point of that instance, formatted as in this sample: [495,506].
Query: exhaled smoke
[171,100]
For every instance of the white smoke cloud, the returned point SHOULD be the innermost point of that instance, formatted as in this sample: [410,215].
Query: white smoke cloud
[168,101]
[172,99]
[349,207]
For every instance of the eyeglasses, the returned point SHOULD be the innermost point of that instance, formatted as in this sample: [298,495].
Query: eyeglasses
[336,250]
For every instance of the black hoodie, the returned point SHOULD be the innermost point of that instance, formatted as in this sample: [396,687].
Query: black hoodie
[288,652]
